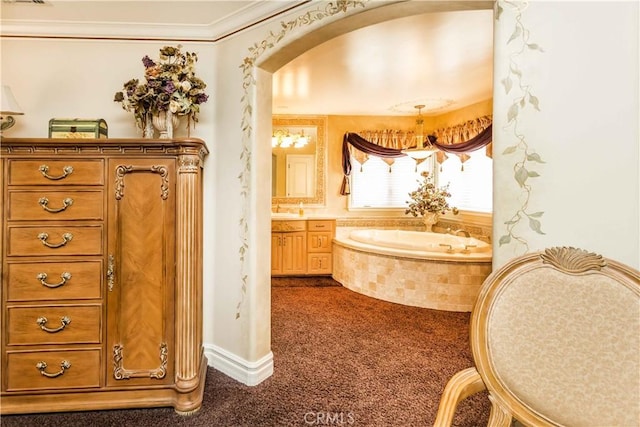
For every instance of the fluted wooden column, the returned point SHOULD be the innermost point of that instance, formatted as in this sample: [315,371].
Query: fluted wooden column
[188,305]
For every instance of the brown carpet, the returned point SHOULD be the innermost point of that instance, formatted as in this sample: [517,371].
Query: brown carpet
[317,281]
[340,358]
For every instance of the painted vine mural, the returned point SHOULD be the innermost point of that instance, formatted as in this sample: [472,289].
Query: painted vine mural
[522,100]
[248,81]
[514,84]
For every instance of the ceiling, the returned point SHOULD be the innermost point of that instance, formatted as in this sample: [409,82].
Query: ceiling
[441,60]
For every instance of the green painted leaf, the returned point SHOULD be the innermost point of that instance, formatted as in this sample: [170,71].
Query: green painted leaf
[522,103]
[513,112]
[521,175]
[534,157]
[510,150]
[504,239]
[534,224]
[533,174]
[534,46]
[507,83]
[510,222]
[536,214]
[499,11]
[516,33]
[515,70]
[534,101]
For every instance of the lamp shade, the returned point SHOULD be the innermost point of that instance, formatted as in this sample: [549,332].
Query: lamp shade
[9,105]
[422,150]
[419,153]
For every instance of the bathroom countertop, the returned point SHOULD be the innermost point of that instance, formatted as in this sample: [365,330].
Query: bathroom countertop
[282,216]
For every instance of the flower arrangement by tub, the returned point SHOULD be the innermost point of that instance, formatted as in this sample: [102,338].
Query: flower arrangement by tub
[428,200]
[171,86]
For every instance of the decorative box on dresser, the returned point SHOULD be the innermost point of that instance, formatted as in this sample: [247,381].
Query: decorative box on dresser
[101,274]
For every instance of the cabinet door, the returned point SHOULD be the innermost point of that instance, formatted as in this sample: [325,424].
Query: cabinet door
[319,241]
[294,253]
[276,253]
[319,263]
[141,272]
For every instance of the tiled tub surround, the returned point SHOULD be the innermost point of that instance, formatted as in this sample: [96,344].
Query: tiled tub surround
[438,281]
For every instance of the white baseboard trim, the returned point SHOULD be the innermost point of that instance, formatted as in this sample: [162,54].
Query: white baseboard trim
[249,373]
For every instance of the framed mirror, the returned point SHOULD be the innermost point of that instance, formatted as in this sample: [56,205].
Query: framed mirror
[298,160]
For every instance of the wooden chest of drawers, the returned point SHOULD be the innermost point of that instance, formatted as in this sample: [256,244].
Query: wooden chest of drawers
[101,274]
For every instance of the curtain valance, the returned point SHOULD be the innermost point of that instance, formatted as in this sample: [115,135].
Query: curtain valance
[366,147]
[475,143]
[481,127]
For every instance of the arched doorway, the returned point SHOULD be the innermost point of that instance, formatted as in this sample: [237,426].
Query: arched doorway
[270,61]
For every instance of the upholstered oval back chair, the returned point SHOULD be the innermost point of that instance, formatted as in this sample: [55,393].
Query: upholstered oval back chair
[555,337]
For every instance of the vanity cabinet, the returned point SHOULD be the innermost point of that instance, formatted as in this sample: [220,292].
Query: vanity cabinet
[319,237]
[101,274]
[288,248]
[301,247]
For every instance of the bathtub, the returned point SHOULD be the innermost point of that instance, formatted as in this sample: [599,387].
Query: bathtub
[420,242]
[417,268]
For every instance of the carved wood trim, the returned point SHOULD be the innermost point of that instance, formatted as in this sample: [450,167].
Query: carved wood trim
[188,329]
[572,260]
[189,164]
[120,373]
[111,146]
[122,170]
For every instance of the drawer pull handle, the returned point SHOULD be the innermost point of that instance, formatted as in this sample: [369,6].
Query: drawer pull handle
[67,170]
[64,365]
[66,238]
[44,202]
[42,321]
[43,276]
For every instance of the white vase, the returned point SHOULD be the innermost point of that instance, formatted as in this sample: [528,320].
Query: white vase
[165,122]
[430,218]
[147,126]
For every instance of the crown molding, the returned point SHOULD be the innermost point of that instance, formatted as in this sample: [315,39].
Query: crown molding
[244,18]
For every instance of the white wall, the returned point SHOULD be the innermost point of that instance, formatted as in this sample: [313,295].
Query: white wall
[587,129]
[586,80]
[78,78]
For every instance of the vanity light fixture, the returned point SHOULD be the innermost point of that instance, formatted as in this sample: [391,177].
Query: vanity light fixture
[8,108]
[423,148]
[283,139]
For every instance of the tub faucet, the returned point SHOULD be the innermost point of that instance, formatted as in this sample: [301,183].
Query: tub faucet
[467,249]
[449,247]
[464,233]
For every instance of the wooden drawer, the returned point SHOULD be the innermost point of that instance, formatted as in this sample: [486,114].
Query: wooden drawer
[320,263]
[24,369]
[288,226]
[62,280]
[56,205]
[64,324]
[62,240]
[319,241]
[320,225]
[56,172]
